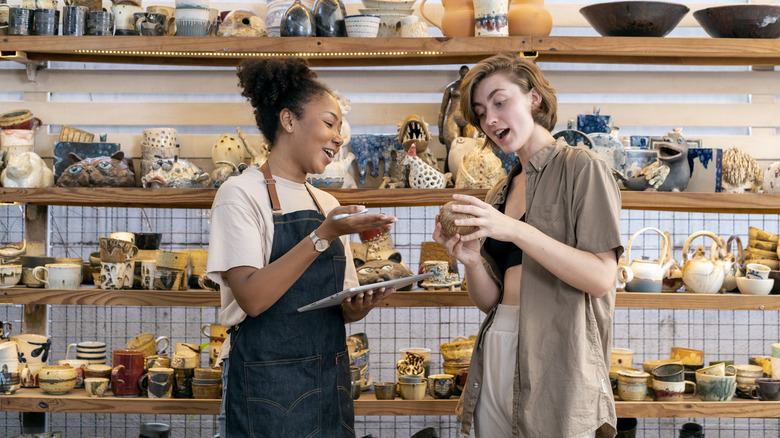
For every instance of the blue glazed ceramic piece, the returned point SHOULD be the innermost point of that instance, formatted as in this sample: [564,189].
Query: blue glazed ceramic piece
[610,149]
[638,159]
[370,148]
[640,141]
[574,138]
[508,161]
[590,123]
[83,150]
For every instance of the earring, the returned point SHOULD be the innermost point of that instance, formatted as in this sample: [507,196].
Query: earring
[289,128]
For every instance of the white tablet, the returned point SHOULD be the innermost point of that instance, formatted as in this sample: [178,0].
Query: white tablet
[339,297]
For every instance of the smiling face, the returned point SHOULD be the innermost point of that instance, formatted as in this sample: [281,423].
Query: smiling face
[505,111]
[316,134]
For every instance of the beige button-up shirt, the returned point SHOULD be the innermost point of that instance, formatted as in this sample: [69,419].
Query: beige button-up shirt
[561,386]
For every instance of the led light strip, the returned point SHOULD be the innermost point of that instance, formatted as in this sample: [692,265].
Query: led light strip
[253,54]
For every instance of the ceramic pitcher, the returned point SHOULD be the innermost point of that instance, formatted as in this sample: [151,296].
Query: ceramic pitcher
[458,18]
[648,274]
[702,274]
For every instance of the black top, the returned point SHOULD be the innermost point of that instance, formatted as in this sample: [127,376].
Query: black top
[505,254]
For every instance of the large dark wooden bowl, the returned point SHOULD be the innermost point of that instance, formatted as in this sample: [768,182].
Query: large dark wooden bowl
[634,18]
[740,21]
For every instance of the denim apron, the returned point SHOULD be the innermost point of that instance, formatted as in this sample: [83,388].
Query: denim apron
[289,371]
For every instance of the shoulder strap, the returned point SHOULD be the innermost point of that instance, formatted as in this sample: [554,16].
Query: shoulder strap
[270,183]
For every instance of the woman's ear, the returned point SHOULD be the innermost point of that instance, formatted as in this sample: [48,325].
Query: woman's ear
[286,118]
[536,98]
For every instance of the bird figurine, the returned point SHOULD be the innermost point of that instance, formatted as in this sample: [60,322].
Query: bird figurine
[669,173]
[421,174]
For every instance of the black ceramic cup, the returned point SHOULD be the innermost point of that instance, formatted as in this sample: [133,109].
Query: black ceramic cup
[20,21]
[46,22]
[670,372]
[148,240]
[74,20]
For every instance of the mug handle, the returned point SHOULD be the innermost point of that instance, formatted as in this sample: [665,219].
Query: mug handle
[203,330]
[167,343]
[41,269]
[143,382]
[67,351]
[693,384]
[115,375]
[6,333]
[755,392]
[138,24]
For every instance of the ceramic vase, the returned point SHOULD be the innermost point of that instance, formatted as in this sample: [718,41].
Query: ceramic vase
[329,18]
[491,18]
[297,21]
[458,18]
[529,17]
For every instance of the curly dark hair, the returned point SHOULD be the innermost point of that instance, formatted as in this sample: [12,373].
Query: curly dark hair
[274,84]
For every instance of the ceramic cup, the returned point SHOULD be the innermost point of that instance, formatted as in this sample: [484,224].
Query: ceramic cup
[670,372]
[160,382]
[413,359]
[74,20]
[8,351]
[92,351]
[10,275]
[412,391]
[21,140]
[217,335]
[490,18]
[148,344]
[158,360]
[671,391]
[621,357]
[33,349]
[362,26]
[688,356]
[78,365]
[197,260]
[148,269]
[384,390]
[101,23]
[20,21]
[190,26]
[99,370]
[757,271]
[59,275]
[150,24]
[46,22]
[766,389]
[127,371]
[57,379]
[125,19]
[714,387]
[112,275]
[114,250]
[632,385]
[440,270]
[28,264]
[96,386]
[182,382]
[10,380]
[170,21]
[441,386]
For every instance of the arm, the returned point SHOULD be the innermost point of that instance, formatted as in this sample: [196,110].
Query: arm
[256,290]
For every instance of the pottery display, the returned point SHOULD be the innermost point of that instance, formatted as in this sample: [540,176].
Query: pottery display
[648,274]
[529,17]
[458,19]
[702,274]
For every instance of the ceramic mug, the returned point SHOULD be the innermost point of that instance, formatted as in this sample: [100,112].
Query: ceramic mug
[8,351]
[766,389]
[125,20]
[127,371]
[20,22]
[101,23]
[112,275]
[96,386]
[148,344]
[182,382]
[74,20]
[632,385]
[671,391]
[10,275]
[716,387]
[19,138]
[59,275]
[490,18]
[160,382]
[441,386]
[148,269]
[32,348]
[440,271]
[92,351]
[670,372]
[217,335]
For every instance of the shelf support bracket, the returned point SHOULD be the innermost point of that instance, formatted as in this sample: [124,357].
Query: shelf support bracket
[21,57]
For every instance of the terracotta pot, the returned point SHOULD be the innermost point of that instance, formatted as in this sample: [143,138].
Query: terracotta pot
[529,17]
[458,18]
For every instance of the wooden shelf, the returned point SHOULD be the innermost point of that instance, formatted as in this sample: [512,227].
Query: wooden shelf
[76,401]
[91,296]
[685,300]
[228,51]
[202,198]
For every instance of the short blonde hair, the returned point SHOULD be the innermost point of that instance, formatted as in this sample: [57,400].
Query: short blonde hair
[522,72]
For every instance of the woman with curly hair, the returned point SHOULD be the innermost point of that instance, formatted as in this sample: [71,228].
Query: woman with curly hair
[275,247]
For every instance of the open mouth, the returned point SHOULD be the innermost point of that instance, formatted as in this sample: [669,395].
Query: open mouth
[668,151]
[414,131]
[329,153]
[502,133]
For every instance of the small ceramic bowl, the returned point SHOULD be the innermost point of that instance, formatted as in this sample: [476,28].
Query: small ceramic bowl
[412,391]
[10,275]
[752,286]
[96,386]
[384,390]
[362,26]
[57,379]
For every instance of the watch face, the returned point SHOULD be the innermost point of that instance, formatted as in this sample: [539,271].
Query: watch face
[321,245]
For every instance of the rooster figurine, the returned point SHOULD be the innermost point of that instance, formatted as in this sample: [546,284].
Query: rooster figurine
[421,174]
[670,173]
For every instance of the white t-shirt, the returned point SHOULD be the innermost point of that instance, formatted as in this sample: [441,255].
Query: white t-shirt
[242,232]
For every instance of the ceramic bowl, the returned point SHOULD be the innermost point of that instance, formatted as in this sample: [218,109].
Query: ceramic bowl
[10,275]
[634,18]
[752,286]
[740,21]
[96,386]
[57,379]
[362,26]
[148,241]
[384,390]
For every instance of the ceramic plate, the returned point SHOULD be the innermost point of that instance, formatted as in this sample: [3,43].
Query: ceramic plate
[574,138]
[610,149]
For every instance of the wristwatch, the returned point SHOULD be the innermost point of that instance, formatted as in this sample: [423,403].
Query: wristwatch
[320,244]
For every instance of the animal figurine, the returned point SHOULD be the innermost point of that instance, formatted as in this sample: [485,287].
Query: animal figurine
[740,172]
[259,156]
[374,271]
[228,148]
[242,23]
[26,170]
[414,130]
[670,173]
[421,174]
[225,170]
[479,169]
[113,171]
[175,173]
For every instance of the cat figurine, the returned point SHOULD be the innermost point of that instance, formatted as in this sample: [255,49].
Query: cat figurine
[26,170]
[374,271]
[113,171]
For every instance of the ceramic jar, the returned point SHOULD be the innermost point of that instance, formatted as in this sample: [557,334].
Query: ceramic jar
[458,18]
[529,17]
[298,21]
[329,18]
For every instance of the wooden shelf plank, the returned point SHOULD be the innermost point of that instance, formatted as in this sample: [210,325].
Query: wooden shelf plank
[76,401]
[91,296]
[137,197]
[227,51]
[202,198]
[685,300]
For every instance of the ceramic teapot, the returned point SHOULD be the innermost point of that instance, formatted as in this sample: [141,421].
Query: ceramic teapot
[702,274]
[648,274]
[737,268]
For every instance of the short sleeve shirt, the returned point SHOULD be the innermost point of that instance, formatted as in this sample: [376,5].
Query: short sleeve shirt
[242,232]
[565,334]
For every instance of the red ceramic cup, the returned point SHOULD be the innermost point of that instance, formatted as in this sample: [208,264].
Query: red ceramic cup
[19,119]
[128,370]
